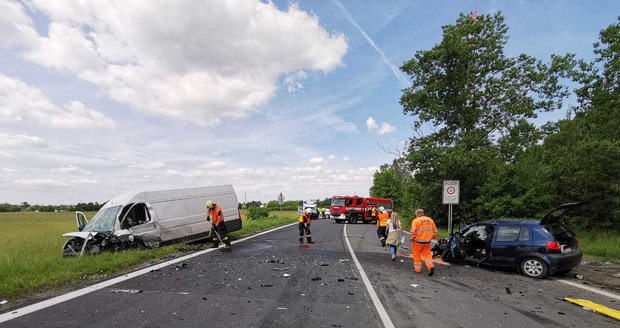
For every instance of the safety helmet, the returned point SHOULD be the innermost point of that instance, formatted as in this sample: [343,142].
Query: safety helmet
[308,210]
[210,204]
[382,209]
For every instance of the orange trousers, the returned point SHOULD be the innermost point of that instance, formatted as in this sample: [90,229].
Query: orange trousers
[421,251]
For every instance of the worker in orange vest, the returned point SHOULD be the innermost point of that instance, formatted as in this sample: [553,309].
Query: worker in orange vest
[384,216]
[423,230]
[304,226]
[218,228]
[373,213]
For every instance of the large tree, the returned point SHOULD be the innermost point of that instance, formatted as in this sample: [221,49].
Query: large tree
[479,101]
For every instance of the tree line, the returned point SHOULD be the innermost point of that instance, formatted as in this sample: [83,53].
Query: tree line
[287,205]
[475,110]
[26,207]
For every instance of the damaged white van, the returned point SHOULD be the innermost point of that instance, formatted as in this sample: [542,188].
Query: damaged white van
[151,219]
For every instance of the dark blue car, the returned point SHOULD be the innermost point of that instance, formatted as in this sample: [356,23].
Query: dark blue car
[535,248]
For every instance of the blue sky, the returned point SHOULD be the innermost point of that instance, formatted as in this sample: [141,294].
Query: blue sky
[100,98]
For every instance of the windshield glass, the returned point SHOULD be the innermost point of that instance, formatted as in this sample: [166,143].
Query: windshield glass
[338,202]
[103,221]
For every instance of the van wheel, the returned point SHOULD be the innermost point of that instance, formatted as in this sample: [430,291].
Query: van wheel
[534,267]
[353,219]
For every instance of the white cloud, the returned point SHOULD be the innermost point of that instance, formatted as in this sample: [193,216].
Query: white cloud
[185,174]
[331,156]
[147,165]
[16,28]
[72,170]
[213,165]
[317,160]
[20,140]
[85,182]
[384,128]
[199,62]
[21,103]
[41,183]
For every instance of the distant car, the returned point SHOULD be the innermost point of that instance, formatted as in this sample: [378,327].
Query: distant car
[326,213]
[535,248]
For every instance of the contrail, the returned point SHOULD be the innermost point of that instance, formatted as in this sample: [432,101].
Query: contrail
[372,43]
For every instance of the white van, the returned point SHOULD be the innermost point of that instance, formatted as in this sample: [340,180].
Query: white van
[152,218]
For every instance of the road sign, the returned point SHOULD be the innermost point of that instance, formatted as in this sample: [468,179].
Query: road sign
[280,199]
[451,192]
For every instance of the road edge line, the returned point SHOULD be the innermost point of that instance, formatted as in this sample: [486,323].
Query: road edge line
[590,289]
[12,314]
[387,322]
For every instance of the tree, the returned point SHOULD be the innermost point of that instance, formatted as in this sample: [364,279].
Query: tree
[479,100]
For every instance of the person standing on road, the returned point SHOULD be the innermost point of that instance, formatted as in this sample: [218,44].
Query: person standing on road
[218,228]
[382,225]
[304,226]
[394,232]
[373,213]
[423,230]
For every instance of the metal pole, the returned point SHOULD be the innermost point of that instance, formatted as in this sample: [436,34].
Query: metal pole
[450,218]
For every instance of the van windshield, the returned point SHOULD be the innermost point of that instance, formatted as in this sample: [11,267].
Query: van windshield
[103,221]
[338,202]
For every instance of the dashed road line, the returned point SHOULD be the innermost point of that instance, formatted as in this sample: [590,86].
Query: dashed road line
[387,322]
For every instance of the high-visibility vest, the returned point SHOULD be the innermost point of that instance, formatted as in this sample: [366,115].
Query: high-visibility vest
[304,218]
[215,214]
[423,229]
[374,212]
[383,218]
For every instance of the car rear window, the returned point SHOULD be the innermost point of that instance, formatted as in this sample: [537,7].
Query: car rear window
[513,233]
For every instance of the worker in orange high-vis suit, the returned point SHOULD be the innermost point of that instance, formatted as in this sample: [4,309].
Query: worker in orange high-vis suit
[373,213]
[304,226]
[382,220]
[423,230]
[218,229]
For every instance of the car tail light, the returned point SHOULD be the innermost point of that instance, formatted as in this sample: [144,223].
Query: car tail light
[553,245]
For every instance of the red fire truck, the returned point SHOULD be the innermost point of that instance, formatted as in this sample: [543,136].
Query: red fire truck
[356,208]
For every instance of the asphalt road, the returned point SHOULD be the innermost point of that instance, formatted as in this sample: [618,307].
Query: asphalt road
[247,288]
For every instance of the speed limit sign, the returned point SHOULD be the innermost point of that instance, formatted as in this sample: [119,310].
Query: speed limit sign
[451,192]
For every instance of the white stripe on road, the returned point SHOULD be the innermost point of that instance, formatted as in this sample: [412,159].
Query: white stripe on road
[590,289]
[387,322]
[80,292]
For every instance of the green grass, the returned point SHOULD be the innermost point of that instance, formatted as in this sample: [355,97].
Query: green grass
[601,244]
[31,261]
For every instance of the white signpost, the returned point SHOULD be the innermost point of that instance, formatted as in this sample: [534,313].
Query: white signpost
[451,193]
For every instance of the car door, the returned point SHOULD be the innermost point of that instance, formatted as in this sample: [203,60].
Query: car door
[509,243]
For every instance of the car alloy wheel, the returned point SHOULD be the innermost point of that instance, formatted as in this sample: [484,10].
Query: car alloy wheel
[534,268]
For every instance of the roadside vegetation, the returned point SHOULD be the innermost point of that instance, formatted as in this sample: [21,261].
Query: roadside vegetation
[31,261]
[476,119]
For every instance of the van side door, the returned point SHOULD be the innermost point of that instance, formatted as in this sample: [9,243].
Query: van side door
[139,221]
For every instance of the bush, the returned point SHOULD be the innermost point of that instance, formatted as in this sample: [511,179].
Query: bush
[255,213]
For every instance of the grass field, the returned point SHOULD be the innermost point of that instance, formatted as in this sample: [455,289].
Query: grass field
[31,261]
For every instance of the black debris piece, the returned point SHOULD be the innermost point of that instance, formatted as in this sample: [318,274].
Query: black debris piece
[316,279]
[180,266]
[155,270]
[128,291]
[340,280]
[562,313]
[323,264]
[349,293]
[280,261]
[352,278]
[266,285]
[508,291]
[270,261]
[335,325]
[204,298]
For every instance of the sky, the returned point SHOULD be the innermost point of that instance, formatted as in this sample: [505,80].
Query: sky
[99,98]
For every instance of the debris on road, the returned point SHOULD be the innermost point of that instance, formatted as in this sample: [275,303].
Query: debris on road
[349,293]
[402,261]
[594,307]
[340,280]
[279,261]
[266,285]
[343,260]
[352,278]
[316,279]
[282,308]
[335,325]
[180,266]
[579,276]
[280,269]
[129,291]
[508,291]
[324,264]
[184,293]
[562,313]
[414,285]
[286,275]
[3,302]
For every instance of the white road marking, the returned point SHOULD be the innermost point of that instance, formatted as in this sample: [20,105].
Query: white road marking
[590,289]
[80,292]
[387,322]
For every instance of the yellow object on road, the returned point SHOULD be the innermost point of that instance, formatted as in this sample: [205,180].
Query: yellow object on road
[595,307]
